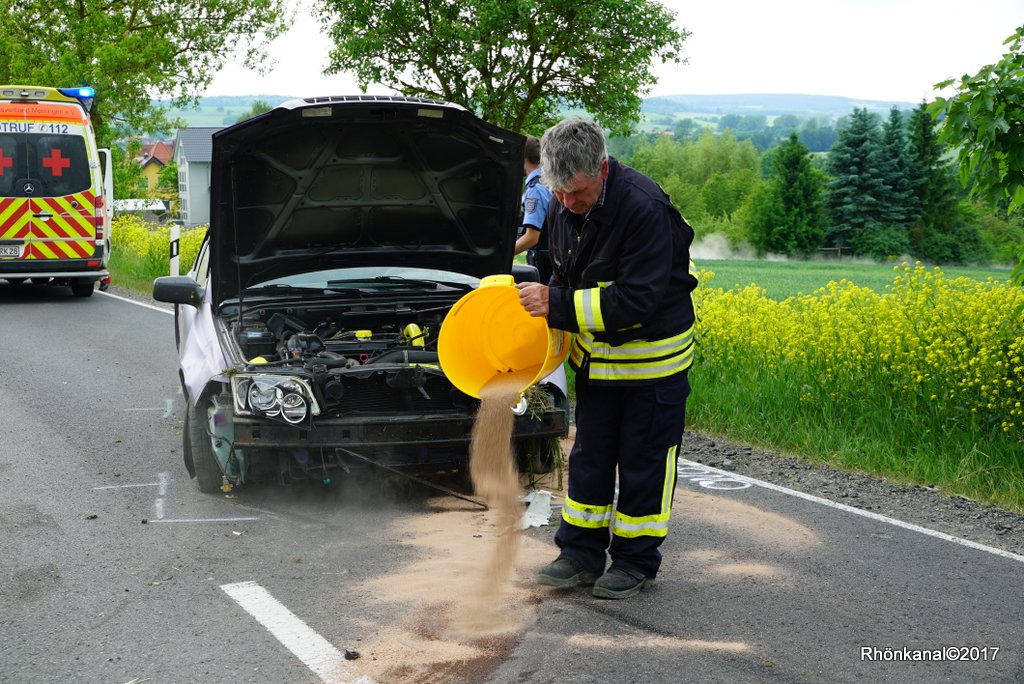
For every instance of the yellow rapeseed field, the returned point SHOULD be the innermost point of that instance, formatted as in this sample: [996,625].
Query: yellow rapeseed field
[947,350]
[146,247]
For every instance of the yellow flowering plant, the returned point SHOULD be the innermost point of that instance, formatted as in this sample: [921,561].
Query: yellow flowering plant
[909,382]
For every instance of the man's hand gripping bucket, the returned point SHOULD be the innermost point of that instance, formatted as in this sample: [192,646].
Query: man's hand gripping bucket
[489,337]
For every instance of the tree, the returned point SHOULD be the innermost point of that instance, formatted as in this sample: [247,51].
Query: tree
[898,204]
[516,63]
[931,180]
[983,121]
[132,50]
[686,128]
[129,183]
[788,216]
[817,134]
[258,107]
[167,186]
[857,188]
[710,180]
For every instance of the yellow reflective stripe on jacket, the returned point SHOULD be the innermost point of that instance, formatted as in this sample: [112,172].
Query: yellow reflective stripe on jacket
[640,349]
[652,525]
[586,515]
[638,360]
[588,309]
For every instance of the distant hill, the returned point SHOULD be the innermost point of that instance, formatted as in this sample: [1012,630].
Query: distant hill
[224,110]
[768,104]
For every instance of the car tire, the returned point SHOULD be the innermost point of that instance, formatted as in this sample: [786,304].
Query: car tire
[83,289]
[199,451]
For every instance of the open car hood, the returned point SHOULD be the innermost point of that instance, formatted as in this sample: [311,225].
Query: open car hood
[336,182]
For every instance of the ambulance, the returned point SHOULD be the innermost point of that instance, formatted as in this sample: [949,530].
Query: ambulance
[56,190]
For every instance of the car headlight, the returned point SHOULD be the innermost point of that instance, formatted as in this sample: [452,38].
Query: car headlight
[273,396]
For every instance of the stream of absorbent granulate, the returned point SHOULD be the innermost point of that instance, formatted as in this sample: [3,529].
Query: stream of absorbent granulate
[495,477]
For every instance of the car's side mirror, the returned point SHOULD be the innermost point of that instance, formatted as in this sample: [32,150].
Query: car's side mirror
[525,273]
[177,290]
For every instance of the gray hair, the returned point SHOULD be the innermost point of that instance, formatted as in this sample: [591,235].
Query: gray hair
[569,147]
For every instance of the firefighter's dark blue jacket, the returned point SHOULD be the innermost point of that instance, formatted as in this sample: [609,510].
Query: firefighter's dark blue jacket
[622,281]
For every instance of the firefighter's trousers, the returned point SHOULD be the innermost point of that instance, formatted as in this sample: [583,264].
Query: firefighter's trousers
[635,431]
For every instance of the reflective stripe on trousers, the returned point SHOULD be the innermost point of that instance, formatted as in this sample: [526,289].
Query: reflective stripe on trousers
[632,433]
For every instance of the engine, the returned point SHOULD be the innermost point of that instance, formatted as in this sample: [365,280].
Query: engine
[284,339]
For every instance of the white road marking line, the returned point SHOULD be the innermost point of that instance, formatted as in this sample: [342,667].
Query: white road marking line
[132,301]
[167,408]
[316,653]
[203,520]
[158,505]
[127,486]
[861,512]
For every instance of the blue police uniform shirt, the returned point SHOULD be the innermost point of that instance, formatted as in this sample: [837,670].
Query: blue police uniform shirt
[535,206]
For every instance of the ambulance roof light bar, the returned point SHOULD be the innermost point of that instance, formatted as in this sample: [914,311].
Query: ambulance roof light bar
[83,94]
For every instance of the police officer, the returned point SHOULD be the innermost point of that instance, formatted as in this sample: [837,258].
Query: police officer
[622,283]
[536,198]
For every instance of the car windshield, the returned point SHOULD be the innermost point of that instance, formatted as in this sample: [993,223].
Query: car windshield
[368,276]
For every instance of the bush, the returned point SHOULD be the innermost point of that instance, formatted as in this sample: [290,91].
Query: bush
[141,251]
[881,242]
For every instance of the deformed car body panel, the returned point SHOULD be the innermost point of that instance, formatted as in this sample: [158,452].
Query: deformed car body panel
[202,357]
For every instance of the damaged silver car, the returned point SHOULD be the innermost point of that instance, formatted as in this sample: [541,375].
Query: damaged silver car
[342,231]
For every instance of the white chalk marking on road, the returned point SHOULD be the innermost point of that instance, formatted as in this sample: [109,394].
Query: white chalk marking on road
[127,486]
[132,301]
[158,509]
[203,520]
[315,652]
[163,478]
[168,407]
[866,514]
[709,478]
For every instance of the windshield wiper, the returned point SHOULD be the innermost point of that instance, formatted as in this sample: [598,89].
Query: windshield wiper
[390,281]
[283,288]
[289,290]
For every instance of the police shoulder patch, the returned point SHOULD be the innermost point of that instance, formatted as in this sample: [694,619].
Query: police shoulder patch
[531,205]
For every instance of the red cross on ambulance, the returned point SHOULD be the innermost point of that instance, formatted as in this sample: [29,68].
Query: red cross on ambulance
[56,163]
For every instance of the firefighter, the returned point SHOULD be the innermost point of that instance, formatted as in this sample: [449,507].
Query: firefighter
[622,283]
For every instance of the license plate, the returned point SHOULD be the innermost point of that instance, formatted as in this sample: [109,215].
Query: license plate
[10,251]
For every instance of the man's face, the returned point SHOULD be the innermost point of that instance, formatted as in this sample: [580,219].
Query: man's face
[582,192]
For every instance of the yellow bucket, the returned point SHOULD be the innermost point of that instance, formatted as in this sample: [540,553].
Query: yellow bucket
[489,336]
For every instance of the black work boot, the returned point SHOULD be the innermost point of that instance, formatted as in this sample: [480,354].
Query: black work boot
[565,573]
[619,583]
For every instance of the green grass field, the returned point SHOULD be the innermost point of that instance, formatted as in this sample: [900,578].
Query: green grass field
[781,279]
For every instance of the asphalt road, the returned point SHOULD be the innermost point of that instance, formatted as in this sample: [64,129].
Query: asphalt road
[114,568]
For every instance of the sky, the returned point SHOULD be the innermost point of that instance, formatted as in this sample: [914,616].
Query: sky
[888,50]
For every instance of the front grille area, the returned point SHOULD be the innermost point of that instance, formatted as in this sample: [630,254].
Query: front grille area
[374,395]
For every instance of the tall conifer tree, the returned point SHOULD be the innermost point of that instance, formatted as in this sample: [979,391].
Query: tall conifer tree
[856,189]
[789,216]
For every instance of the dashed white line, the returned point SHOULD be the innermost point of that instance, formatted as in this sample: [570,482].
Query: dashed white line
[203,520]
[861,512]
[129,486]
[316,653]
